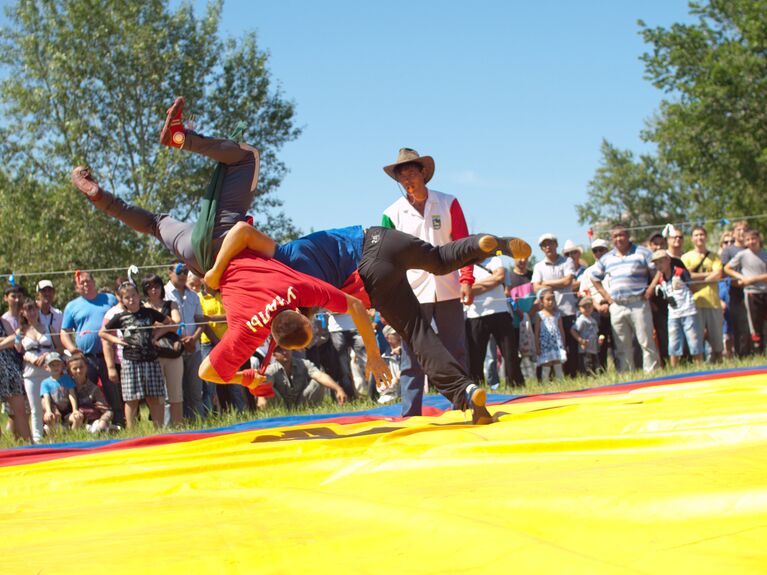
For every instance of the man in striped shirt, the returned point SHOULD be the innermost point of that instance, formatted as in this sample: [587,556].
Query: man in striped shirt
[630,269]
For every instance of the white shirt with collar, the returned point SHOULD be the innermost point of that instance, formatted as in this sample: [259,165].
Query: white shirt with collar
[433,226]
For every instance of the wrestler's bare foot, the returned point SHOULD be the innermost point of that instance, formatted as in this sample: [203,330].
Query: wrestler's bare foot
[212,279]
[173,133]
[83,181]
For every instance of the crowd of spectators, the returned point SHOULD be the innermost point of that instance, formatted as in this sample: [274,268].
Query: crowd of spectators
[635,304]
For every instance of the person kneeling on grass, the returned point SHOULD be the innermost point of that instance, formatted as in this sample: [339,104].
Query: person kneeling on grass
[141,375]
[91,402]
[58,392]
[298,382]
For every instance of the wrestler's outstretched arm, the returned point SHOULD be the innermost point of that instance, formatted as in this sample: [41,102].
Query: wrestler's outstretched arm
[375,366]
[242,236]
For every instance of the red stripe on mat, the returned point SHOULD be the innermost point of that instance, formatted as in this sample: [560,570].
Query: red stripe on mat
[624,387]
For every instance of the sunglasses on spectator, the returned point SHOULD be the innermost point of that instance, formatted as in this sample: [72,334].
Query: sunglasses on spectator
[727,242]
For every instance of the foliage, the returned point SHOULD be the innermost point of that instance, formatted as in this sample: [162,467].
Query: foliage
[710,131]
[88,81]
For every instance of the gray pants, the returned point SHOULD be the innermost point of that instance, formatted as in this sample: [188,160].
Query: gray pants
[312,395]
[631,319]
[192,385]
[237,193]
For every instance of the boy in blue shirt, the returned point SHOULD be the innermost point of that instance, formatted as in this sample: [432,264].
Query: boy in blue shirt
[58,391]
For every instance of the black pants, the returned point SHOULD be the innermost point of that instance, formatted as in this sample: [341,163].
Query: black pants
[571,366]
[756,312]
[501,327]
[386,256]
[660,323]
[740,324]
[97,370]
[588,363]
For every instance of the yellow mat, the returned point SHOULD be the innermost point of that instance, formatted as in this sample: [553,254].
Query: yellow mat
[666,479]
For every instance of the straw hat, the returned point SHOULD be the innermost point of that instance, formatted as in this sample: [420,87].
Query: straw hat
[408,155]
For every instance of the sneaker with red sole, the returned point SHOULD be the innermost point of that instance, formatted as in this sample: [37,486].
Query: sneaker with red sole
[173,133]
[83,181]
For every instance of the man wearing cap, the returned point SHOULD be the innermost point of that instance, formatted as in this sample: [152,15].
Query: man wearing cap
[50,317]
[189,306]
[83,317]
[558,273]
[630,269]
[435,218]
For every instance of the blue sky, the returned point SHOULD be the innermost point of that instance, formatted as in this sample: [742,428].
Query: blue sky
[511,98]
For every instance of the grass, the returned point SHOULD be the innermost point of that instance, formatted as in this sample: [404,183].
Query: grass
[146,428]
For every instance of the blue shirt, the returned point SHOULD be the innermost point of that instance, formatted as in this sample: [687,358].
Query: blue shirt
[329,255]
[51,386]
[87,315]
[630,274]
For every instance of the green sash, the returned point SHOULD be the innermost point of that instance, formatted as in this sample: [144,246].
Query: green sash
[202,234]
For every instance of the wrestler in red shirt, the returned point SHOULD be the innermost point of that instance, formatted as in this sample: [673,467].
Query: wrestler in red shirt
[259,294]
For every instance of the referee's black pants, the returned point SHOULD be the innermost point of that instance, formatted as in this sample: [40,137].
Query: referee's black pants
[387,254]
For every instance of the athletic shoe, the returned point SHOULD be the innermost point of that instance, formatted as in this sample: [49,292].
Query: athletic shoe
[475,400]
[173,133]
[83,181]
[517,248]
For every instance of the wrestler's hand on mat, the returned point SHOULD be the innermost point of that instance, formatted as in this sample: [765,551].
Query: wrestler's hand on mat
[377,367]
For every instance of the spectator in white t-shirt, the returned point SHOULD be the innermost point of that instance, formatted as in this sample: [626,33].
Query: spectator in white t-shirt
[50,317]
[489,315]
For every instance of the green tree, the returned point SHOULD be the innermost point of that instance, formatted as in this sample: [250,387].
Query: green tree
[643,191]
[710,131]
[88,81]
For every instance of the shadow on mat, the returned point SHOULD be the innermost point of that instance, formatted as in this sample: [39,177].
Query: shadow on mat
[328,433]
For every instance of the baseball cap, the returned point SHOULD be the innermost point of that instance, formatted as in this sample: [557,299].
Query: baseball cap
[42,284]
[545,237]
[659,255]
[51,357]
[600,244]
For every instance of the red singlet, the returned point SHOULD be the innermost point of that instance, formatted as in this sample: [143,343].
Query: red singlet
[253,290]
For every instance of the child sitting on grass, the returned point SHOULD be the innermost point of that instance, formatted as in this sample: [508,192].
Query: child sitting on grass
[91,403]
[58,392]
[141,376]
